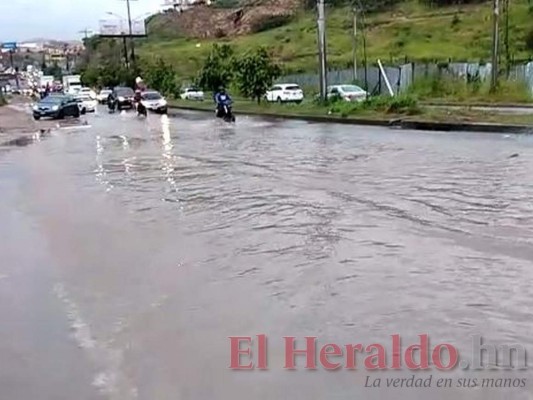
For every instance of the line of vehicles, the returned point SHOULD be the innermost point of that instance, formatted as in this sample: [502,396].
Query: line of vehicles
[75,100]
[290,93]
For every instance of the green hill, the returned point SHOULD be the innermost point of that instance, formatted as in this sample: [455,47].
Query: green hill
[408,30]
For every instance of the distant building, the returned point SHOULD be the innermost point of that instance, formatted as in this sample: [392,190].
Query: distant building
[30,47]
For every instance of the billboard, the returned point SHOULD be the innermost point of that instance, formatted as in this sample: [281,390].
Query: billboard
[9,45]
[120,27]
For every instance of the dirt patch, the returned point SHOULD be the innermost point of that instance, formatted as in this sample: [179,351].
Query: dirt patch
[205,21]
[16,122]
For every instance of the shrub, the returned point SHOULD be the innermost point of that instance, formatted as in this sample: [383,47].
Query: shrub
[529,40]
[270,22]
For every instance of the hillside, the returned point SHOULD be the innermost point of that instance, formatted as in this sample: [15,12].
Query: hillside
[408,30]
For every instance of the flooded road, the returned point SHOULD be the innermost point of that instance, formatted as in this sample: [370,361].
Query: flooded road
[132,249]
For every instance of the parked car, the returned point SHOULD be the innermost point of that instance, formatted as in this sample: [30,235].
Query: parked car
[153,101]
[103,95]
[87,91]
[192,93]
[124,96]
[57,107]
[86,103]
[347,92]
[285,93]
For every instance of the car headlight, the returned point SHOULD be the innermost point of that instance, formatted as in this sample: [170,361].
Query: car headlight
[55,108]
[36,107]
[120,98]
[163,102]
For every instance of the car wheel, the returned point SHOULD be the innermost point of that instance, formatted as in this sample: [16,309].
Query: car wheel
[61,115]
[279,100]
[36,117]
[298,101]
[76,113]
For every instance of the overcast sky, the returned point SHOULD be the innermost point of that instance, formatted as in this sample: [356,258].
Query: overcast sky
[61,19]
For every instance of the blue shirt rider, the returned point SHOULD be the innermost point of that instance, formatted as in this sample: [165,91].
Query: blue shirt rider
[222,98]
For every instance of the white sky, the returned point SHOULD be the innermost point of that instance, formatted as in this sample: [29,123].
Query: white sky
[62,19]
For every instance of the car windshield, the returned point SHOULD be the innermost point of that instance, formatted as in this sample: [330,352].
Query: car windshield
[151,96]
[292,87]
[52,99]
[84,98]
[351,88]
[124,92]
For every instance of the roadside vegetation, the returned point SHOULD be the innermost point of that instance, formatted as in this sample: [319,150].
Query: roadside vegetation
[420,31]
[403,108]
[392,30]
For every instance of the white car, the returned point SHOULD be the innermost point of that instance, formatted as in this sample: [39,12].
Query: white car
[103,95]
[285,93]
[87,91]
[86,103]
[347,92]
[192,93]
[153,101]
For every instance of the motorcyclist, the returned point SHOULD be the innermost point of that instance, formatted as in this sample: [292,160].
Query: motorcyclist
[137,98]
[111,101]
[222,99]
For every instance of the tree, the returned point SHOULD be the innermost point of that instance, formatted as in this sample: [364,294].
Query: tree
[54,70]
[255,73]
[217,70]
[162,77]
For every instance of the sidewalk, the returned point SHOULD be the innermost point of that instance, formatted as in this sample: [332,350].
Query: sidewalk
[14,121]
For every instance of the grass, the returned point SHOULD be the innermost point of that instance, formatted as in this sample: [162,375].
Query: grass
[410,30]
[404,107]
[448,90]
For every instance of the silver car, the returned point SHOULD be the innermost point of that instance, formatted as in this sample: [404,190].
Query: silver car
[347,92]
[192,93]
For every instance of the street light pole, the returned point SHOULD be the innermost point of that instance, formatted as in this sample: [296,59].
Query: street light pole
[321,24]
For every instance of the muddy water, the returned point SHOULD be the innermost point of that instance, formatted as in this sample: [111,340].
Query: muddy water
[135,248]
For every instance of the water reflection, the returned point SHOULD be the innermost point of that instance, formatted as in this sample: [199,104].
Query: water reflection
[100,171]
[168,158]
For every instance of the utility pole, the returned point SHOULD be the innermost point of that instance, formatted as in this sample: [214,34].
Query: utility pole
[85,32]
[506,40]
[355,44]
[321,24]
[130,33]
[495,45]
[125,51]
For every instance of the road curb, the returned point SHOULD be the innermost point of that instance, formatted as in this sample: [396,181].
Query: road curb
[395,123]
[470,105]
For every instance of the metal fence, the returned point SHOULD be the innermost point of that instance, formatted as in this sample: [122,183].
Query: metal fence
[402,77]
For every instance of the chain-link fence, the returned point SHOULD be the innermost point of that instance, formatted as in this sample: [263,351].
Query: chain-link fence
[403,76]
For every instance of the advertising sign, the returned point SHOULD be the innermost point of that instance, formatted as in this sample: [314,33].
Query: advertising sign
[9,45]
[120,27]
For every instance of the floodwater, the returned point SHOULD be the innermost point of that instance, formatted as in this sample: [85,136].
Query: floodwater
[132,249]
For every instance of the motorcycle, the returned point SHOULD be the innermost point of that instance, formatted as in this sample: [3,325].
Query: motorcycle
[141,109]
[111,105]
[224,111]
